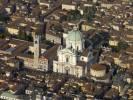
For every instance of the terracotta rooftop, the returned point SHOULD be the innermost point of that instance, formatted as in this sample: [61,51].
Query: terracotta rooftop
[129,49]
[85,52]
[111,93]
[52,52]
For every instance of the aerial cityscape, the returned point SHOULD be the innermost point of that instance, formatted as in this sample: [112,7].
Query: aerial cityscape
[66,49]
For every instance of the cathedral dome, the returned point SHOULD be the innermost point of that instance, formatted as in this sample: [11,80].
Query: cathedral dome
[75,35]
[75,40]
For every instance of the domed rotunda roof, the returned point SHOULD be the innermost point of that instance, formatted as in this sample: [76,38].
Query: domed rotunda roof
[98,67]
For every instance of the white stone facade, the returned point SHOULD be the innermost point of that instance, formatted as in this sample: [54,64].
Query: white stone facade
[68,7]
[69,60]
[68,69]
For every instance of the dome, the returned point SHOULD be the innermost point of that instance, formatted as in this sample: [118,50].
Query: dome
[98,67]
[75,40]
[74,35]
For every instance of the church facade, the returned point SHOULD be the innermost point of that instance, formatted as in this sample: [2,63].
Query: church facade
[74,58]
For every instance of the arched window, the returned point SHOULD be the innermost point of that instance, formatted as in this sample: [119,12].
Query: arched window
[57,70]
[71,46]
[35,42]
[67,59]
[77,48]
[53,41]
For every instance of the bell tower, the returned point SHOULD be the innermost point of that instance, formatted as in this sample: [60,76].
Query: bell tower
[36,40]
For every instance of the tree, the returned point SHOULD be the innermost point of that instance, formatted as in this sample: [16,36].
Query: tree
[74,15]
[89,13]
[21,36]
[4,18]
[122,45]
[58,28]
[24,36]
[4,34]
[63,18]
[29,37]
[114,49]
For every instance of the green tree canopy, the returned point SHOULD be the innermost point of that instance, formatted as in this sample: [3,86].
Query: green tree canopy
[122,45]
[4,18]
[74,15]
[89,13]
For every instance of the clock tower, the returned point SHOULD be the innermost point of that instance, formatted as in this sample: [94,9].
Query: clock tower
[36,40]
